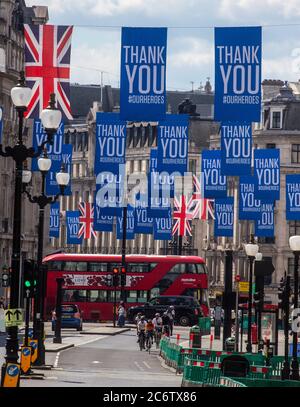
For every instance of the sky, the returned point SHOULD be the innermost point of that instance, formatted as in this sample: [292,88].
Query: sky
[97,24]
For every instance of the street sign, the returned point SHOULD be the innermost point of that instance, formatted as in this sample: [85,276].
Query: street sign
[33,343]
[12,373]
[13,317]
[244,286]
[237,278]
[25,358]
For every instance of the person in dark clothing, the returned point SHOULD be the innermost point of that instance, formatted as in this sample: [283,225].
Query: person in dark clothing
[166,323]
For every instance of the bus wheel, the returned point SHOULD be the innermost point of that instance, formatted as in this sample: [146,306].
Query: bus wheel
[184,321]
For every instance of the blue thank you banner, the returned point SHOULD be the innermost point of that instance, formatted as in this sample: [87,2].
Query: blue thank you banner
[215,184]
[224,212]
[162,229]
[249,206]
[102,222]
[143,221]
[54,220]
[267,173]
[1,123]
[238,73]
[293,197]
[73,226]
[236,148]
[52,187]
[143,74]
[110,191]
[159,187]
[264,226]
[172,144]
[110,142]
[54,151]
[130,224]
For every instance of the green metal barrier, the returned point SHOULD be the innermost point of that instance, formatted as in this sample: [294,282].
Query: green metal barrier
[204,324]
[276,363]
[228,382]
[201,373]
[267,382]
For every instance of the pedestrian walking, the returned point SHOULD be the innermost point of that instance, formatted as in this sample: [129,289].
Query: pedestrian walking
[171,315]
[121,314]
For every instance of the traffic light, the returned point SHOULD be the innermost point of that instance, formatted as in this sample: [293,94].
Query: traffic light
[258,296]
[283,294]
[30,278]
[5,277]
[115,276]
[123,276]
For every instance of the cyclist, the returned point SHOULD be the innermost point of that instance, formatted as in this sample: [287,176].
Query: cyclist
[137,320]
[149,330]
[141,328]
[157,322]
[166,323]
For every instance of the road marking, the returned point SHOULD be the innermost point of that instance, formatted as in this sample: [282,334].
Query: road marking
[56,360]
[146,364]
[96,361]
[91,340]
[139,367]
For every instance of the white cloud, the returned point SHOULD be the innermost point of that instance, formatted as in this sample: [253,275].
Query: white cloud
[87,64]
[237,10]
[193,52]
[114,8]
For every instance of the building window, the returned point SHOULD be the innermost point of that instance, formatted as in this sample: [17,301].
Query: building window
[296,153]
[276,120]
[294,228]
[266,240]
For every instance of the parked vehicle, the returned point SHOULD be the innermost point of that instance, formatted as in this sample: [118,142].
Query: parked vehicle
[71,317]
[187,309]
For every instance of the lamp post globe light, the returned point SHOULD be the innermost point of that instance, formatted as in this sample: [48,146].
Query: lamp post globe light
[294,243]
[51,118]
[62,178]
[251,250]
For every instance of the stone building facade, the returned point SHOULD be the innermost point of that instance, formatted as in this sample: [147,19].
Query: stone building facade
[279,128]
[141,137]
[13,14]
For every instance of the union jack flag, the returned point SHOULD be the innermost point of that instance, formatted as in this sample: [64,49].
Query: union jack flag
[201,208]
[182,217]
[47,67]
[87,220]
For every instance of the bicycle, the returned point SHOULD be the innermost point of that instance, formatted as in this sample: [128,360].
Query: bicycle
[157,336]
[142,340]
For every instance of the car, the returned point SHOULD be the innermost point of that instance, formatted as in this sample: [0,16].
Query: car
[71,317]
[187,309]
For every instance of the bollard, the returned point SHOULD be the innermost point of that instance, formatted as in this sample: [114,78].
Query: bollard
[195,333]
[177,339]
[191,340]
[211,341]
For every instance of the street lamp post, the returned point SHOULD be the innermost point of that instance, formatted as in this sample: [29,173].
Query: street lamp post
[62,178]
[251,251]
[258,257]
[294,243]
[20,95]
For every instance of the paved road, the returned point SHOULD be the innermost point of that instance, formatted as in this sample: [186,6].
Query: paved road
[107,362]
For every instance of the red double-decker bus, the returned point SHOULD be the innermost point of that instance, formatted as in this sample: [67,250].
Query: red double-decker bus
[147,276]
